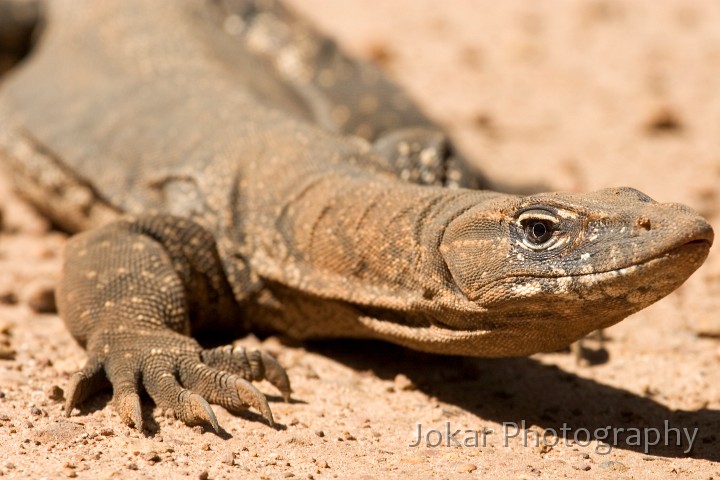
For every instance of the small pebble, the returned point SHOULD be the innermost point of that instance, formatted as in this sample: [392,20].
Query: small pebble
[403,383]
[36,411]
[132,466]
[204,475]
[615,466]
[319,433]
[8,298]
[109,432]
[44,362]
[55,393]
[228,458]
[40,297]
[467,468]
[663,120]
[7,353]
[152,457]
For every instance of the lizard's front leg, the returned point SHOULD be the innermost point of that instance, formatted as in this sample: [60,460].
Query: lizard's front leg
[130,294]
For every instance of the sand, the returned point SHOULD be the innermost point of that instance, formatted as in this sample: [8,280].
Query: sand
[553,95]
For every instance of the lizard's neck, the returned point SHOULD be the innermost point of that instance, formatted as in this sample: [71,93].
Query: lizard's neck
[367,241]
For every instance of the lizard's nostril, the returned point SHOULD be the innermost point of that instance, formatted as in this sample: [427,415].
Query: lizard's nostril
[643,223]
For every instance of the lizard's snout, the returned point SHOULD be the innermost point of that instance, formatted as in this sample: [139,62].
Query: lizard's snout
[672,226]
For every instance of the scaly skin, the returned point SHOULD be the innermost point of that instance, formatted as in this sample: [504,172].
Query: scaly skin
[248,208]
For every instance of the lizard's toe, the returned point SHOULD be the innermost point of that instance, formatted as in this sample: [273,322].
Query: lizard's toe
[84,383]
[124,375]
[252,365]
[225,389]
[128,407]
[170,395]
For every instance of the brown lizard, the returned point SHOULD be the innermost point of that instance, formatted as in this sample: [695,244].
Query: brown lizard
[233,171]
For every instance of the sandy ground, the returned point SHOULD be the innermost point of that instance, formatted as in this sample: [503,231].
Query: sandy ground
[541,95]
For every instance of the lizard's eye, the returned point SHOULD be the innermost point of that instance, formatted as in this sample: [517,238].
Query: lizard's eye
[538,231]
[538,228]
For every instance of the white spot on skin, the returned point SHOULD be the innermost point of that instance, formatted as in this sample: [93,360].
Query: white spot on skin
[521,257]
[627,271]
[585,256]
[527,289]
[563,284]
[587,269]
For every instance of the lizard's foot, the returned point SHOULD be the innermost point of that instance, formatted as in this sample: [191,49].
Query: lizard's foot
[180,377]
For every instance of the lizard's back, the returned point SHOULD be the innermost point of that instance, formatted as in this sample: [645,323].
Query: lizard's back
[153,106]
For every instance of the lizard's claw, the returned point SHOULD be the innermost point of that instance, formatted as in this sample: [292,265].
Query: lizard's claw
[130,410]
[252,365]
[180,377]
[226,389]
[85,383]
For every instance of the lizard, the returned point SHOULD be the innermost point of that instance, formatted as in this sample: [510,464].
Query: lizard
[228,169]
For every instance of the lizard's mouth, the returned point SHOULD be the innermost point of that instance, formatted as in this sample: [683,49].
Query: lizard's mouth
[692,253]
[695,251]
[673,266]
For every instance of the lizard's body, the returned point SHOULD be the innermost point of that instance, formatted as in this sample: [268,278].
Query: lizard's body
[251,207]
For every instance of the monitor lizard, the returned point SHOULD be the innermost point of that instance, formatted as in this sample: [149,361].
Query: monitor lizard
[230,169]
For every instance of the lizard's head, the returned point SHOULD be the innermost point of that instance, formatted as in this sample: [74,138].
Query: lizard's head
[545,270]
